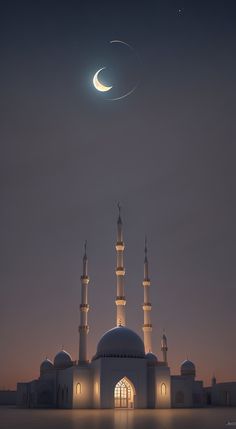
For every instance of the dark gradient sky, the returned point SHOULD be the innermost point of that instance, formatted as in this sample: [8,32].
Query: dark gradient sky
[167,153]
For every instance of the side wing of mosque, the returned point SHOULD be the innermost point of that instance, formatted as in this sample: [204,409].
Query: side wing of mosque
[124,373]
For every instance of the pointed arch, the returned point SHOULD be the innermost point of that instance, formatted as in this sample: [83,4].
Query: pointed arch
[163,389]
[78,388]
[124,394]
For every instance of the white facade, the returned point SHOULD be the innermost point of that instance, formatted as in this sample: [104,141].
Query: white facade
[124,373]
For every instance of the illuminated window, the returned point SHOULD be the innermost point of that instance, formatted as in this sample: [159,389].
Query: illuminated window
[78,388]
[163,389]
[124,394]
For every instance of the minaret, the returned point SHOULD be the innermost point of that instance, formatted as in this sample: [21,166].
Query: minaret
[213,380]
[164,348]
[120,272]
[147,326]
[84,308]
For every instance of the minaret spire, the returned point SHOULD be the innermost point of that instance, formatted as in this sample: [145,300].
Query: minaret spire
[164,348]
[84,308]
[120,272]
[213,380]
[147,326]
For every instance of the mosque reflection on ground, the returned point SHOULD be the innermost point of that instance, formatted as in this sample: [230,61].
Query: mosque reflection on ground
[208,418]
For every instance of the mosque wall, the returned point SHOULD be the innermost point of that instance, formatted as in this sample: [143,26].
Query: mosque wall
[120,358]
[198,394]
[22,394]
[151,389]
[64,388]
[112,370]
[181,391]
[163,387]
[224,394]
[82,389]
[7,397]
[96,368]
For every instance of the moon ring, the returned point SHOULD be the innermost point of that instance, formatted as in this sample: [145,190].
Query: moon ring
[137,83]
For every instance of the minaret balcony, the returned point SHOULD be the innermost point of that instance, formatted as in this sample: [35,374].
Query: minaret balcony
[120,246]
[120,300]
[84,328]
[146,282]
[120,271]
[147,327]
[164,348]
[147,306]
[84,280]
[84,308]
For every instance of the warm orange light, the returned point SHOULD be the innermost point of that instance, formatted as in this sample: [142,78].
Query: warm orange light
[163,389]
[78,389]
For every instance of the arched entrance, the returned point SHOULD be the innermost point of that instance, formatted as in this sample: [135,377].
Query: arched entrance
[124,393]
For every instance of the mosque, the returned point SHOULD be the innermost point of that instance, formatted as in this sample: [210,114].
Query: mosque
[124,372]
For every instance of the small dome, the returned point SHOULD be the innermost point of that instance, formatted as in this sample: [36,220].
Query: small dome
[151,357]
[188,368]
[120,342]
[62,360]
[46,365]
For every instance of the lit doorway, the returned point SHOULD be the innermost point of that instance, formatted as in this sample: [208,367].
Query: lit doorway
[124,394]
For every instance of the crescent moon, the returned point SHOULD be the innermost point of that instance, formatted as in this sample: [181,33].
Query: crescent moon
[98,85]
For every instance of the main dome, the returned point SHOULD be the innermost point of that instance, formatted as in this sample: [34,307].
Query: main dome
[120,342]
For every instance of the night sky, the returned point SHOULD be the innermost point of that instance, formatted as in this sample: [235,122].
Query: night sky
[68,155]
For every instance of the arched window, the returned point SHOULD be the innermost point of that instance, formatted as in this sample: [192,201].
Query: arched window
[78,388]
[124,394]
[163,389]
